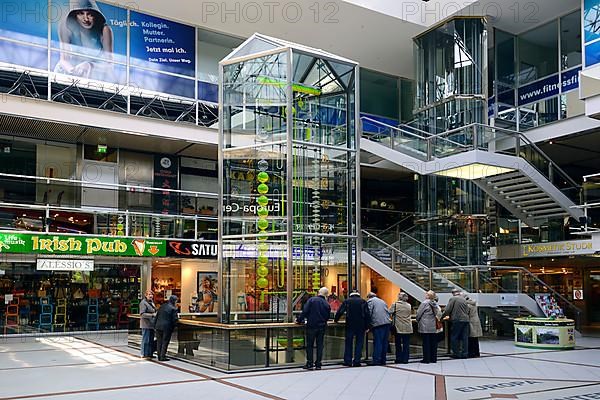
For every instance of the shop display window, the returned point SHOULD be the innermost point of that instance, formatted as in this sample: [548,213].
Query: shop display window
[59,301]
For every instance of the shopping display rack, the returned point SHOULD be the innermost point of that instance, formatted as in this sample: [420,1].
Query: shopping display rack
[11,319]
[46,311]
[92,315]
[60,317]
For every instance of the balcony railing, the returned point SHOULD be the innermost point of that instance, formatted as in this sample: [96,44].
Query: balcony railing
[39,204]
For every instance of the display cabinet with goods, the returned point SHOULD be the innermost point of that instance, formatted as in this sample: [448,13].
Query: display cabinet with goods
[548,304]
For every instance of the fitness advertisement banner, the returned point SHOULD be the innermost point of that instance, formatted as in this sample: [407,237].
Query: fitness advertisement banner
[23,243]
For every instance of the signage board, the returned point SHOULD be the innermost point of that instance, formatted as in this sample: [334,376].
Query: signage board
[166,177]
[24,243]
[567,248]
[201,250]
[550,249]
[60,264]
[577,294]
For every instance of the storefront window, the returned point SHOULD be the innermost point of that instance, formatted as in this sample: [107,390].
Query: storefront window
[60,301]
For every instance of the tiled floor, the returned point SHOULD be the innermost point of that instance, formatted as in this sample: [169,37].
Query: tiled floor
[103,367]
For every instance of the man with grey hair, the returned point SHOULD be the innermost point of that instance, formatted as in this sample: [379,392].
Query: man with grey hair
[457,311]
[380,326]
[316,313]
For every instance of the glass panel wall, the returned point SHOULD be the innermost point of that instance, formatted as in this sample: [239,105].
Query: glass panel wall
[451,93]
[450,63]
[538,53]
[288,154]
[542,88]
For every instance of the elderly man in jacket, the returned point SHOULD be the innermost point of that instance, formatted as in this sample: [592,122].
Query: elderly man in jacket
[356,312]
[380,325]
[166,320]
[457,311]
[316,313]
[147,314]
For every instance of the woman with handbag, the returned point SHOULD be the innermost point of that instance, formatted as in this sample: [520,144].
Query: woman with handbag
[402,327]
[429,320]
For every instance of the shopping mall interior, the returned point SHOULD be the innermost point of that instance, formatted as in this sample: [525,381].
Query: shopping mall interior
[242,155]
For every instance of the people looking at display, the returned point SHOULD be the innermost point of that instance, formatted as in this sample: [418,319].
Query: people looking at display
[428,317]
[457,311]
[402,328]
[360,317]
[357,318]
[380,326]
[147,315]
[475,330]
[316,313]
[166,320]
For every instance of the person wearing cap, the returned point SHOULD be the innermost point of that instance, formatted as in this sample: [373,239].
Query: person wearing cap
[316,313]
[147,314]
[166,320]
[457,311]
[357,314]
[379,317]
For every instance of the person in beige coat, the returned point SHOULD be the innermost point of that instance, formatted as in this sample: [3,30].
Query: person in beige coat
[475,328]
[401,312]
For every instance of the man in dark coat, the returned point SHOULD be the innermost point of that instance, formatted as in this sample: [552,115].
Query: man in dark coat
[316,313]
[166,320]
[356,323]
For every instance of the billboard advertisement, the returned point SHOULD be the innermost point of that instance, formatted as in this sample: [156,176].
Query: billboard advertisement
[162,45]
[591,31]
[89,39]
[25,20]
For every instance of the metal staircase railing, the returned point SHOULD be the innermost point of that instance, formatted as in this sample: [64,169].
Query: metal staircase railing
[402,263]
[481,279]
[469,138]
[509,280]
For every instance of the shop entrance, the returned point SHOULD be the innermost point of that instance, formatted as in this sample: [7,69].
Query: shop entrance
[34,300]
[194,282]
[593,296]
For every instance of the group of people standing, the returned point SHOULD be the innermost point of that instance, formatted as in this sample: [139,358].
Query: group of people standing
[373,315]
[159,323]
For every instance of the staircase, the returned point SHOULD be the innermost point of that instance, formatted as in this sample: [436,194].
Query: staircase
[503,163]
[404,267]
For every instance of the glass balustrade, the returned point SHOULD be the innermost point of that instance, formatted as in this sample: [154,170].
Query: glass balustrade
[38,204]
